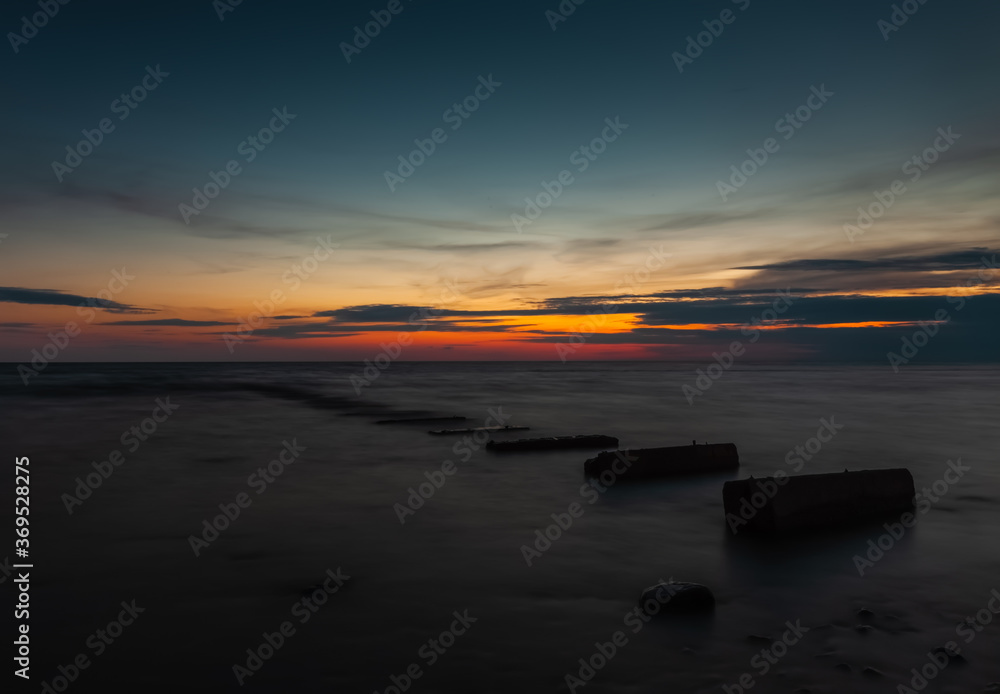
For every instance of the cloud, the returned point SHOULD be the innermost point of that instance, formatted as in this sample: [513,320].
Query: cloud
[299,331]
[171,322]
[969,335]
[372,313]
[56,297]
[463,247]
[575,305]
[812,310]
[382,313]
[960,260]
[302,331]
[701,220]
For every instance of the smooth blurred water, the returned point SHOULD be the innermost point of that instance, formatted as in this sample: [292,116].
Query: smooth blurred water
[333,507]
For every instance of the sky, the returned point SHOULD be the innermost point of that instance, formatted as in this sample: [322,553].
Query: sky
[500,181]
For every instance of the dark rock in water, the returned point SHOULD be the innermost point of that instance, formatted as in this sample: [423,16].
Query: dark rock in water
[865,613]
[446,432]
[422,420]
[802,502]
[863,628]
[873,672]
[555,442]
[757,638]
[677,598]
[845,667]
[650,463]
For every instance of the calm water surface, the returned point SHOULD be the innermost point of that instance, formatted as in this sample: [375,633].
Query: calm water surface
[334,507]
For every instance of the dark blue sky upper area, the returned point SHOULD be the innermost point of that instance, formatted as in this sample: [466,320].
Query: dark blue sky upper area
[605,59]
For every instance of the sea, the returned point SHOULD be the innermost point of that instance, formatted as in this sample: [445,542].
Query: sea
[253,527]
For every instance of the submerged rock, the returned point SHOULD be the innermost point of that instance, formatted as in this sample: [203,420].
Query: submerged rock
[676,597]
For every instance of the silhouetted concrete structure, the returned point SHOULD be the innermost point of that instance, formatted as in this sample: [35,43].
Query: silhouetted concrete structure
[422,420]
[472,430]
[648,463]
[803,502]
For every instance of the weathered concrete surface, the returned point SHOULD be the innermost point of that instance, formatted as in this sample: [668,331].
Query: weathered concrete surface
[422,420]
[650,463]
[472,430]
[775,504]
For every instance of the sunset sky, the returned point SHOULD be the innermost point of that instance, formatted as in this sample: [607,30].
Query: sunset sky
[640,235]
